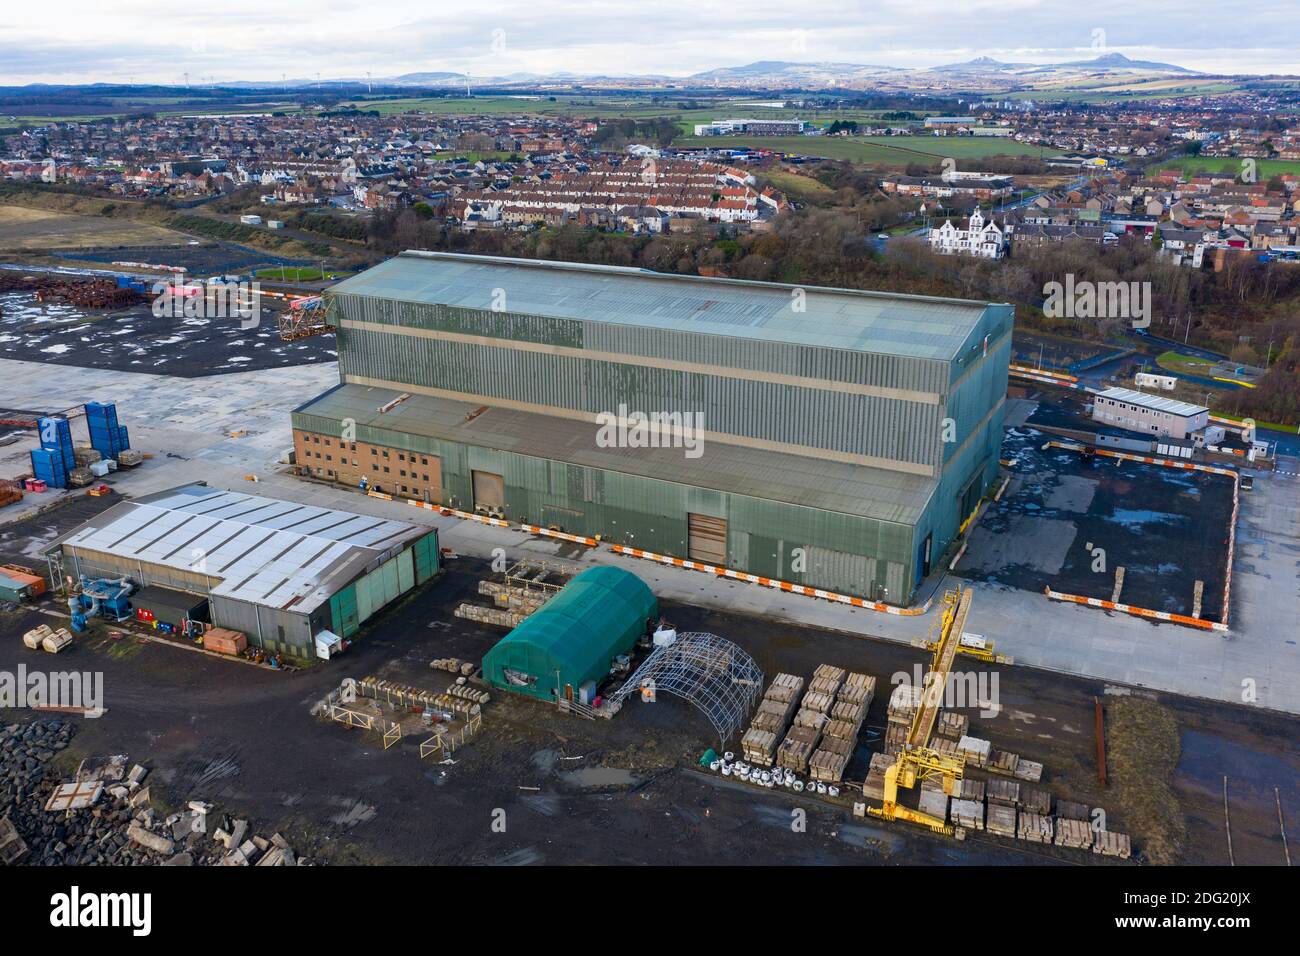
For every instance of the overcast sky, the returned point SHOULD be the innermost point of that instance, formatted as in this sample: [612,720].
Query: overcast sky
[84,41]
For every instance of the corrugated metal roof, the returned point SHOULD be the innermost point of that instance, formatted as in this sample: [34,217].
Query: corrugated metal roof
[776,476]
[1154,402]
[269,552]
[917,326]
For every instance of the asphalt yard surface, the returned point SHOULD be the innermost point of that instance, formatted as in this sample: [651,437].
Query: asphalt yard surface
[1069,522]
[134,339]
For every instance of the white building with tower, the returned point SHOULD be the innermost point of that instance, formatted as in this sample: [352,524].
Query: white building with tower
[981,237]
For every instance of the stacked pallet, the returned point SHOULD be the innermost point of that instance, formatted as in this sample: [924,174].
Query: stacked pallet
[759,746]
[952,725]
[811,717]
[1075,834]
[944,746]
[967,813]
[817,701]
[855,695]
[827,764]
[933,802]
[1004,792]
[1069,810]
[975,750]
[827,680]
[1001,820]
[771,719]
[1112,844]
[903,704]
[1000,761]
[1035,827]
[1029,770]
[1035,800]
[490,615]
[968,789]
[874,786]
[797,748]
[840,731]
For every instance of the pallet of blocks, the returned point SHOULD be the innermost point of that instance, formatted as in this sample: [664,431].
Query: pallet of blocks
[975,750]
[968,789]
[1004,792]
[1035,827]
[874,786]
[797,748]
[827,679]
[759,746]
[828,763]
[817,701]
[933,802]
[843,729]
[944,746]
[855,695]
[895,736]
[1112,844]
[1073,833]
[814,719]
[952,725]
[1000,820]
[1069,810]
[967,813]
[772,717]
[903,702]
[1030,771]
[1000,761]
[1036,800]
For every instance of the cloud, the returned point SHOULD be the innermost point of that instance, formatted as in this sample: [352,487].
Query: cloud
[148,41]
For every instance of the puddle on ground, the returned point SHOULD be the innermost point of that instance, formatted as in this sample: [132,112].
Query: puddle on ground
[599,777]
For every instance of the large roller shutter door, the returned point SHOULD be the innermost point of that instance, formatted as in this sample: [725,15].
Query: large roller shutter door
[489,490]
[708,539]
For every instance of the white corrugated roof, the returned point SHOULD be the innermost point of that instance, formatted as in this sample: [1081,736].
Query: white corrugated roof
[1155,402]
[265,551]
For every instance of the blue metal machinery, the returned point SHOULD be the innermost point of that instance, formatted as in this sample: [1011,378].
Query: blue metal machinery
[102,597]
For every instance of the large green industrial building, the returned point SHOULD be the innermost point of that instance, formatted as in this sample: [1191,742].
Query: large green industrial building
[842,438]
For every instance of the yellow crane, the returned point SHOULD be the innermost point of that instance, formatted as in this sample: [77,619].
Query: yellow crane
[917,760]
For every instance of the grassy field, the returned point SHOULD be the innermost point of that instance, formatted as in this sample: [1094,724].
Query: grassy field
[1264,168]
[894,151]
[298,274]
[23,228]
[799,187]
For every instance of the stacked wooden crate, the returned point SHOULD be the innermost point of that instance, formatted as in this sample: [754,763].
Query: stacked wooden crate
[1035,827]
[771,719]
[1036,800]
[933,801]
[800,743]
[874,786]
[967,813]
[1001,820]
[969,789]
[903,703]
[797,748]
[1004,792]
[1112,844]
[840,733]
[1001,761]
[1029,770]
[975,750]
[1073,833]
[952,725]
[1070,810]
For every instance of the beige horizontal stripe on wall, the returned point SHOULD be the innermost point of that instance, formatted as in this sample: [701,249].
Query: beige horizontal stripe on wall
[888,464]
[776,378]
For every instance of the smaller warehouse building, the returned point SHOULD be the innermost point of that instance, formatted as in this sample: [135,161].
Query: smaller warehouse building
[1149,414]
[567,646]
[280,572]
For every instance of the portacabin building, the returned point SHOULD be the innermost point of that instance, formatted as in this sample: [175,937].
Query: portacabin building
[827,437]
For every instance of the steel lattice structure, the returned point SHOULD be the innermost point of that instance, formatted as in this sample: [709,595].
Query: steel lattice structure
[711,672]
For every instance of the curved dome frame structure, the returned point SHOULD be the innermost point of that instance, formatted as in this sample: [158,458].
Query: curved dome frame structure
[714,674]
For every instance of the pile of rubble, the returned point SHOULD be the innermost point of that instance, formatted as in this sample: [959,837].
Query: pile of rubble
[104,817]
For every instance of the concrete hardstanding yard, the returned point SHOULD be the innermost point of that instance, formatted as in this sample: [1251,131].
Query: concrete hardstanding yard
[191,428]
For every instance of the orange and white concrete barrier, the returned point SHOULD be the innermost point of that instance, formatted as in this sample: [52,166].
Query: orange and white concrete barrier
[1137,611]
[771,582]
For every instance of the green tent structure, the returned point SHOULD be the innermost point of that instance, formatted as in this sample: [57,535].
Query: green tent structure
[573,637]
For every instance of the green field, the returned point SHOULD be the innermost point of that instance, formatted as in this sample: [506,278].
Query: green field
[298,274]
[1264,168]
[895,151]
